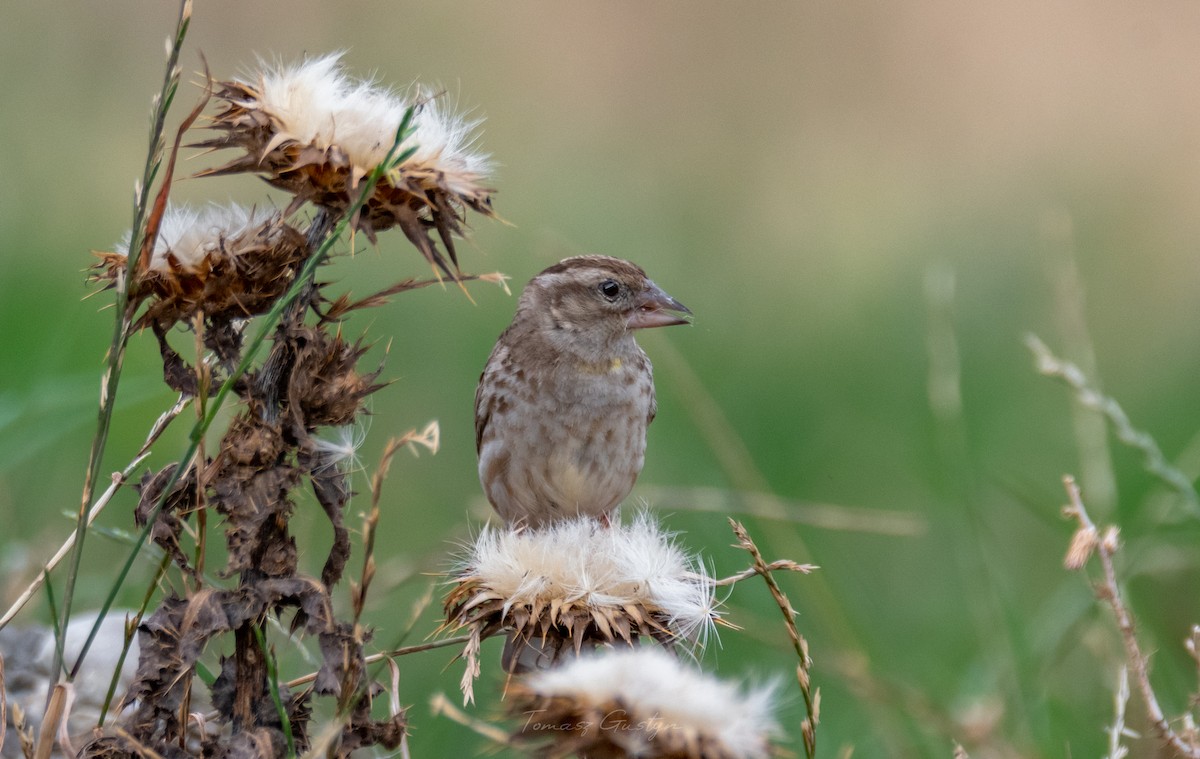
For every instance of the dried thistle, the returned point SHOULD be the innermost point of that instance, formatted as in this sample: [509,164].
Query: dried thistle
[577,584]
[312,131]
[223,262]
[644,703]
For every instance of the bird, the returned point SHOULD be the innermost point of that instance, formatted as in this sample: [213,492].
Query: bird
[567,393]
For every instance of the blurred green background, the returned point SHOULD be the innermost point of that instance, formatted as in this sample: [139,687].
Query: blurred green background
[853,197]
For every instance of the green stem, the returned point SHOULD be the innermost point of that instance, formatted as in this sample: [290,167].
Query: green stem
[273,686]
[123,323]
[116,676]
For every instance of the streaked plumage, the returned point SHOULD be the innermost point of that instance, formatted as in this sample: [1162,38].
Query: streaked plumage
[563,403]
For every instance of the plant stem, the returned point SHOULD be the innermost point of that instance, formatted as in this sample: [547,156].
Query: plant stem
[124,319]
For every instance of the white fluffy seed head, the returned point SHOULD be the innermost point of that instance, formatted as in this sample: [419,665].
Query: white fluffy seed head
[188,234]
[580,560]
[660,692]
[316,103]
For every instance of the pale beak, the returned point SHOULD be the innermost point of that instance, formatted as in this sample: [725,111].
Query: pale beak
[655,308]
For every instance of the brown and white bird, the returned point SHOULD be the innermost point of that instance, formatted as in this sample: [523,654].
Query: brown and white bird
[564,401]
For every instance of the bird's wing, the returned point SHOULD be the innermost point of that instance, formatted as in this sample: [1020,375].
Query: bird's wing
[485,398]
[649,368]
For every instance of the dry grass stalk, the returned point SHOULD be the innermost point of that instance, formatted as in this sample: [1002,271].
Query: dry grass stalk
[812,698]
[826,516]
[1117,730]
[1108,591]
[49,732]
[781,565]
[441,706]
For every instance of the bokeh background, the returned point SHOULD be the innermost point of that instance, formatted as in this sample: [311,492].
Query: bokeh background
[868,205]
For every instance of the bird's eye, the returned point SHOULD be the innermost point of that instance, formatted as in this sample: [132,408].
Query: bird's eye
[610,289]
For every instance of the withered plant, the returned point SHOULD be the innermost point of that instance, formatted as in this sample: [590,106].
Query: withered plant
[241,322]
[212,277]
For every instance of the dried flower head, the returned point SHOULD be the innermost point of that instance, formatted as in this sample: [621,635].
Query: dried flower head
[311,130]
[579,583]
[642,702]
[224,262]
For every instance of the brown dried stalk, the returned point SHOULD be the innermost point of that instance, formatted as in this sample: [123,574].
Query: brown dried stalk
[1087,540]
[812,699]
[785,565]
[55,712]
[440,706]
[428,438]
[389,655]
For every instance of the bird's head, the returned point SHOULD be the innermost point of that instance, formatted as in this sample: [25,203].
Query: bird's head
[589,305]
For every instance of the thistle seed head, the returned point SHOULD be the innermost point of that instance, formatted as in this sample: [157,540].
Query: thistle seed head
[642,702]
[315,132]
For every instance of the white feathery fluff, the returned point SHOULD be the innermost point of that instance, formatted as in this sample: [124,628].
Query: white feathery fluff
[582,560]
[340,446]
[189,234]
[662,693]
[316,103]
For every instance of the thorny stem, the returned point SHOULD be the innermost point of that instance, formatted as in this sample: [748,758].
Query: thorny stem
[1105,547]
[812,699]
[124,315]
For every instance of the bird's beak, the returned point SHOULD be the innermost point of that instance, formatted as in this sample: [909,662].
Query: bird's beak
[655,308]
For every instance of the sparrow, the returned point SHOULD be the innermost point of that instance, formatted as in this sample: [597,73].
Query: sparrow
[565,398]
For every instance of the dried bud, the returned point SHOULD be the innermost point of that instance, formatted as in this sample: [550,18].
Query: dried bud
[1111,540]
[1083,543]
